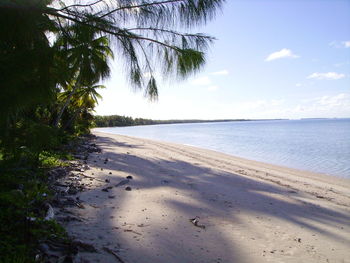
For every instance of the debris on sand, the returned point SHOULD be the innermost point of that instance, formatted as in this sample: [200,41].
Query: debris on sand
[195,222]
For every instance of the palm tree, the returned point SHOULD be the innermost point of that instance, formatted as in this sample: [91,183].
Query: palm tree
[86,58]
[83,101]
[149,35]
[145,33]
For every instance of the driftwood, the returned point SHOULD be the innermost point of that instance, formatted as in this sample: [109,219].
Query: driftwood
[84,175]
[114,254]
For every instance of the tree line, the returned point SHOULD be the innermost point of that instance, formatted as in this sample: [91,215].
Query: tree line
[120,121]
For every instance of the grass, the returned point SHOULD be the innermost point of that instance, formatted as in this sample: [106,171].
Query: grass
[53,159]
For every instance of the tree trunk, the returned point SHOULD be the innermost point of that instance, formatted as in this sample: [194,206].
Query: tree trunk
[59,116]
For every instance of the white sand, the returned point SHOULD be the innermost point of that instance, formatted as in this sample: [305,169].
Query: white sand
[252,212]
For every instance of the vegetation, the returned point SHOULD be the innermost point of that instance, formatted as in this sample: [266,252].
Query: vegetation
[24,194]
[119,121]
[53,56]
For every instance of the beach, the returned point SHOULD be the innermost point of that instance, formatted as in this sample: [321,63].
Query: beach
[186,204]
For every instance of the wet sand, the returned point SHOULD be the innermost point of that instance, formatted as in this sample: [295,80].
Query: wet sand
[245,211]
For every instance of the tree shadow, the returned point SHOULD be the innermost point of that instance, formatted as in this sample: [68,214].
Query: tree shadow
[152,224]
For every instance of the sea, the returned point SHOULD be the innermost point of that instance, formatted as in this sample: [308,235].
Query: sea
[316,145]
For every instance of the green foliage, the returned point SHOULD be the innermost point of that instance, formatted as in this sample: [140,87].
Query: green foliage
[16,205]
[23,195]
[52,57]
[49,159]
[24,141]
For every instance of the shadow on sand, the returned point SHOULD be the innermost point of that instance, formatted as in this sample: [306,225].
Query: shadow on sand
[151,222]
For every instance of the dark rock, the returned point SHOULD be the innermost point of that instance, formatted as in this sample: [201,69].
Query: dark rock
[110,172]
[107,180]
[129,177]
[111,196]
[128,188]
[104,189]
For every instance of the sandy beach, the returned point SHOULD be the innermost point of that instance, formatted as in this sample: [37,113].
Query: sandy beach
[189,205]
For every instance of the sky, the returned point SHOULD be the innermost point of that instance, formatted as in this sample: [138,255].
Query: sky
[272,59]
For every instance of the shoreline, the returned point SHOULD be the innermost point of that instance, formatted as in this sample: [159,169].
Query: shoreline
[296,164]
[325,176]
[247,211]
[270,172]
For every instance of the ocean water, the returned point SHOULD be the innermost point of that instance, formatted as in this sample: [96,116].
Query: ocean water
[317,145]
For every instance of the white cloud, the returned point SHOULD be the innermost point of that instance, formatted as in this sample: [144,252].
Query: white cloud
[338,44]
[341,99]
[298,85]
[222,72]
[203,81]
[346,44]
[283,53]
[213,88]
[328,75]
[334,44]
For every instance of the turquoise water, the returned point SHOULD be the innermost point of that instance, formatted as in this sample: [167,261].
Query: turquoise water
[318,145]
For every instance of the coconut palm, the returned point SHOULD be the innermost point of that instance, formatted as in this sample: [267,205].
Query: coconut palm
[86,57]
[82,102]
[148,35]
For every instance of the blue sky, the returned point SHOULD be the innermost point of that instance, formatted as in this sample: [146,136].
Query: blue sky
[272,59]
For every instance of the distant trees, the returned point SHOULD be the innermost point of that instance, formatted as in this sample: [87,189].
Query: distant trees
[120,121]
[53,54]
